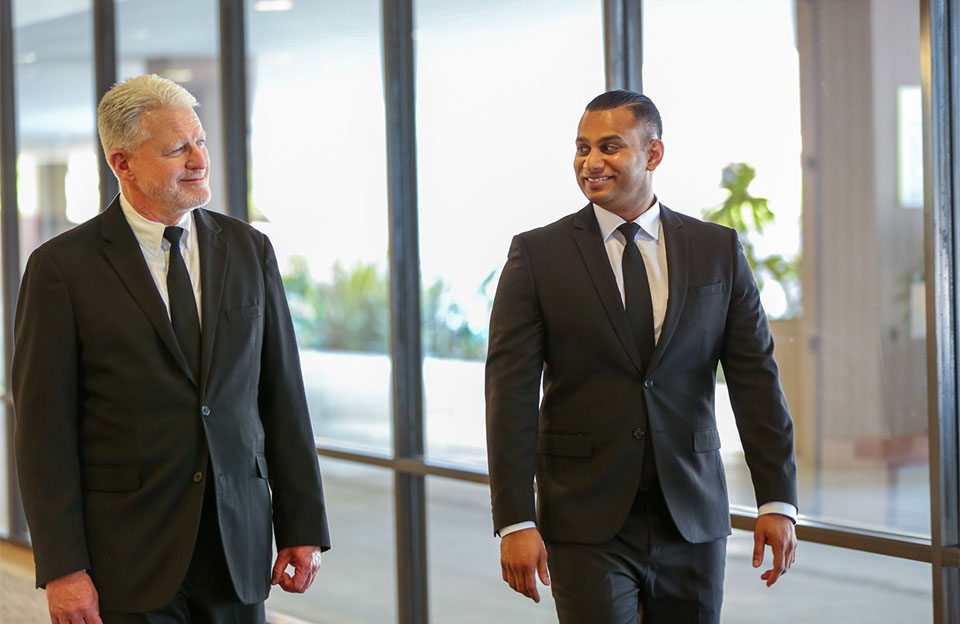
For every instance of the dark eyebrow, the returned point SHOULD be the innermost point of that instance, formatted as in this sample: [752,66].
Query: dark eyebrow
[609,137]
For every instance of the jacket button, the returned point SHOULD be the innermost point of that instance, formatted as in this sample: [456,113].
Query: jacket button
[638,433]
[197,477]
[648,383]
[205,410]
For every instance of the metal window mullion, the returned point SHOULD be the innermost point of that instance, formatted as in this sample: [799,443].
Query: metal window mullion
[622,43]
[406,358]
[939,31]
[10,240]
[233,102]
[105,71]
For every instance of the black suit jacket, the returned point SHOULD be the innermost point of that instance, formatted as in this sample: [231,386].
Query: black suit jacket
[558,312]
[114,433]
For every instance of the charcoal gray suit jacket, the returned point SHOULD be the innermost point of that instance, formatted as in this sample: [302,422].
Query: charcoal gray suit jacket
[115,434]
[558,312]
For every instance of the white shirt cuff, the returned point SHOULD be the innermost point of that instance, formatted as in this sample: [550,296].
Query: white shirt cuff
[513,528]
[785,509]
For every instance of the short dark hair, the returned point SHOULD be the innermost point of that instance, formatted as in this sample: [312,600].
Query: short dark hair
[642,107]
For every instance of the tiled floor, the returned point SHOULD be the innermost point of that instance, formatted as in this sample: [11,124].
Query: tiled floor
[20,602]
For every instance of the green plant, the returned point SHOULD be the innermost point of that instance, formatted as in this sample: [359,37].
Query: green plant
[748,215]
[351,312]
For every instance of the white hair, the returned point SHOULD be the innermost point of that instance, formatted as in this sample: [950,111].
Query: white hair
[121,109]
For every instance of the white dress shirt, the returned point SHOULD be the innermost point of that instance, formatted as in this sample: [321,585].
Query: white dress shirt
[652,247]
[156,249]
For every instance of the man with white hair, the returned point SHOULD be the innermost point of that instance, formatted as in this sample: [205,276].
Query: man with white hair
[159,396]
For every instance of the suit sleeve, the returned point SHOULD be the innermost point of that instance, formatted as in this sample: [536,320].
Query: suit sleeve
[46,398]
[299,513]
[753,381]
[513,371]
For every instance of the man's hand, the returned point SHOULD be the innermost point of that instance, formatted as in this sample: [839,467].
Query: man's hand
[778,531]
[522,557]
[72,599]
[305,561]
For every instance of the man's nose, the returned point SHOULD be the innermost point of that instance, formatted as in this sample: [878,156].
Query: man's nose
[199,159]
[593,161]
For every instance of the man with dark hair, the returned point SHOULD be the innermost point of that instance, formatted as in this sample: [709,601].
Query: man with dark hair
[162,426]
[625,309]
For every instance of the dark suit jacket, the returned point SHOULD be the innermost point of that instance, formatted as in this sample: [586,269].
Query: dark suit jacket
[114,433]
[558,312]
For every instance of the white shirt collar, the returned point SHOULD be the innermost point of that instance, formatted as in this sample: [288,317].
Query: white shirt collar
[649,221]
[150,233]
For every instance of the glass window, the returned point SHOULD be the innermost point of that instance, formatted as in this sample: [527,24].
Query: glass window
[826,584]
[464,561]
[357,582]
[318,189]
[56,120]
[812,110]
[56,188]
[497,111]
[184,50]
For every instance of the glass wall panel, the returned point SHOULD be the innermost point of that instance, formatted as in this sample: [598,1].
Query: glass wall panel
[178,40]
[464,561]
[318,189]
[812,110]
[500,89]
[357,581]
[826,584]
[57,184]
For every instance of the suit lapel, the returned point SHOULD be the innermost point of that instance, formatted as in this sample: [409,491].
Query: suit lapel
[124,255]
[676,240]
[213,263]
[587,235]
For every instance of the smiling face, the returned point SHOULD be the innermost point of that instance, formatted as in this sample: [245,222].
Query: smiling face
[615,161]
[169,175]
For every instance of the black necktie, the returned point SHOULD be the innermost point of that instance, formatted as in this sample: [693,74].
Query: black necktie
[639,304]
[636,292]
[183,303]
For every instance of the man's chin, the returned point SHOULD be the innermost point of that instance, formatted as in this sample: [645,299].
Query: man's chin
[197,201]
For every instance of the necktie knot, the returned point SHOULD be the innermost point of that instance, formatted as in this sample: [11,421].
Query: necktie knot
[629,231]
[173,234]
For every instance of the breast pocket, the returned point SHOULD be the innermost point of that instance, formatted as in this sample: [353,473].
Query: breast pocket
[704,290]
[247,313]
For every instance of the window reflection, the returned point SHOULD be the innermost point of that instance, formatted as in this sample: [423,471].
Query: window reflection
[150,40]
[495,130]
[53,64]
[318,189]
[357,581]
[808,110]
[826,584]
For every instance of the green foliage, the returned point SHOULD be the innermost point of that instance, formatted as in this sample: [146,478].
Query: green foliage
[748,215]
[352,313]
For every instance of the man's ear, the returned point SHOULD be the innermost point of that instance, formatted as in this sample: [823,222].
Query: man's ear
[120,163]
[654,154]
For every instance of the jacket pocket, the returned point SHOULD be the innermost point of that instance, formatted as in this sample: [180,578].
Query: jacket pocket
[244,314]
[566,444]
[262,467]
[111,478]
[705,289]
[705,440]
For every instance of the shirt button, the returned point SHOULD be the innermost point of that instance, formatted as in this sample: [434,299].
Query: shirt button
[197,477]
[648,383]
[638,433]
[205,410]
